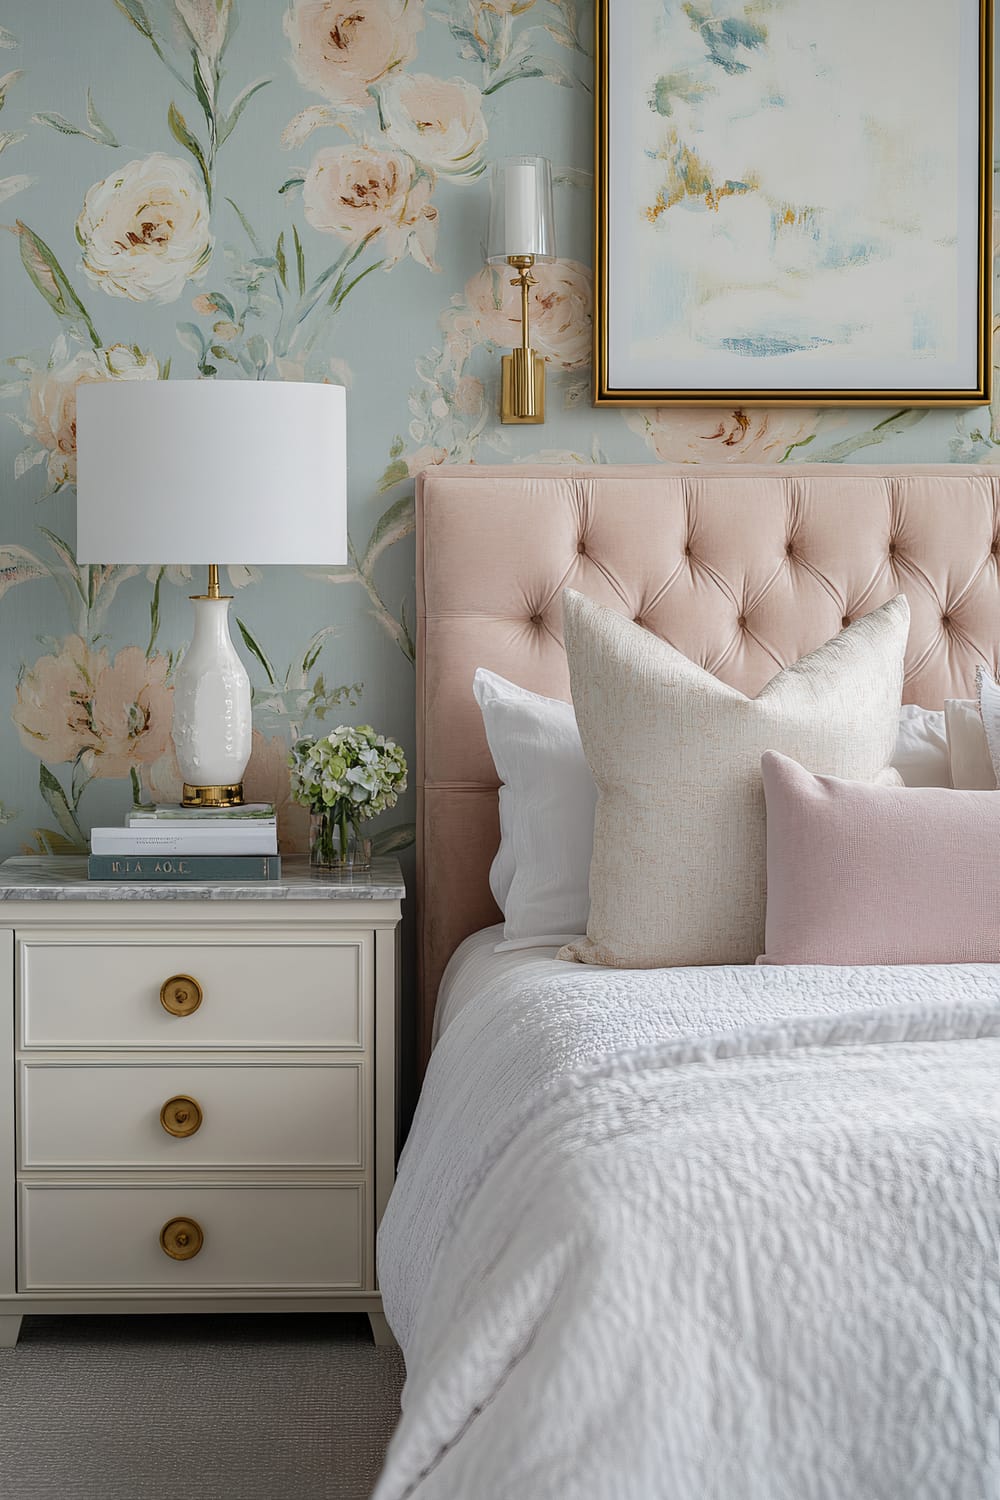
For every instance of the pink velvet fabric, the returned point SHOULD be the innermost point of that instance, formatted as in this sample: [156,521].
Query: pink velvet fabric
[743,569]
[864,874]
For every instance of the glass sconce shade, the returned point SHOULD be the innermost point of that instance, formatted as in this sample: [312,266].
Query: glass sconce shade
[522,221]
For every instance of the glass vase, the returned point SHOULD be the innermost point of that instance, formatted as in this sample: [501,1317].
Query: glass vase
[336,841]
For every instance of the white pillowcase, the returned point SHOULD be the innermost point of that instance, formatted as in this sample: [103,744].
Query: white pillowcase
[921,753]
[548,799]
[540,876]
[968,751]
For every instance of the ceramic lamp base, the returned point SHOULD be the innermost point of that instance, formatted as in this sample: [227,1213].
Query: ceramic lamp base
[212,796]
[212,726]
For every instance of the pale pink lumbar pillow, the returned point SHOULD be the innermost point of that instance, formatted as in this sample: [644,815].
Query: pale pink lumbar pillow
[865,874]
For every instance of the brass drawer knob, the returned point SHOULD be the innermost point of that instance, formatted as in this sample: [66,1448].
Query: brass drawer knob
[180,994]
[181,1239]
[181,1115]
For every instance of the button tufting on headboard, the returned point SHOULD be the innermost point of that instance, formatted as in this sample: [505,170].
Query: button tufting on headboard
[743,569]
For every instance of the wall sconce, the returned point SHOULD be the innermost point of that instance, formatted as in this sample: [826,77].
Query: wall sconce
[521,232]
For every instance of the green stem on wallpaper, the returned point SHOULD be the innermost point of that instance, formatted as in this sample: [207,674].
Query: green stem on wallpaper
[154,614]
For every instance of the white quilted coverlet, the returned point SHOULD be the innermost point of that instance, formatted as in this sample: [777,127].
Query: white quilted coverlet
[703,1234]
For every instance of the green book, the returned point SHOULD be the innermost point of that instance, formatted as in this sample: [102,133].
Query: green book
[201,869]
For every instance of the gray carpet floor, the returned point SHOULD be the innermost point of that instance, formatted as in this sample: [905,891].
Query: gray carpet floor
[217,1408]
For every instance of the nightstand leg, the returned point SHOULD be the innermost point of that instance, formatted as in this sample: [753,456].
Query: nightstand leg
[11,1327]
[381,1332]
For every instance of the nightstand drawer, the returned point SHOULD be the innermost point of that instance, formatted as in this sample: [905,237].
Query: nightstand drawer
[233,1238]
[128,994]
[184,1115]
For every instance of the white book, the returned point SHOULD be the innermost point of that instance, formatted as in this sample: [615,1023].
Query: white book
[255,812]
[200,838]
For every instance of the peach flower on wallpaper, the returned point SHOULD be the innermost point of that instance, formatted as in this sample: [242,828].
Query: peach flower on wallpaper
[439,121]
[145,230]
[358,192]
[700,436]
[52,710]
[266,779]
[52,399]
[339,48]
[133,710]
[75,702]
[560,311]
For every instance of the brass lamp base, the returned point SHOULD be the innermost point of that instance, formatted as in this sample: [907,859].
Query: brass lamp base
[522,392]
[212,796]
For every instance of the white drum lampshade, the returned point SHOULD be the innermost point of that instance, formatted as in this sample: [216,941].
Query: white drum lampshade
[205,471]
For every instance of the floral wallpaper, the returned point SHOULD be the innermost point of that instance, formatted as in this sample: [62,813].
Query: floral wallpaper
[292,190]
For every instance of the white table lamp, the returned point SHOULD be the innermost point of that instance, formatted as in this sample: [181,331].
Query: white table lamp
[203,471]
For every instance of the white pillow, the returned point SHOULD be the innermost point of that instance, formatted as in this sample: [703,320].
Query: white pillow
[968,751]
[921,753]
[540,875]
[548,798]
[678,869]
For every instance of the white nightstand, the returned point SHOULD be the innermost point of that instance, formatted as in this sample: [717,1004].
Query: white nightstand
[197,1092]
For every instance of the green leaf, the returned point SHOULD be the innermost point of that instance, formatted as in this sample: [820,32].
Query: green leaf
[8,79]
[255,242]
[237,107]
[394,473]
[391,840]
[135,11]
[154,619]
[397,446]
[201,91]
[256,650]
[395,523]
[300,261]
[58,122]
[102,132]
[342,296]
[183,136]
[55,799]
[47,841]
[280,261]
[50,279]
[291,182]
[191,337]
[18,565]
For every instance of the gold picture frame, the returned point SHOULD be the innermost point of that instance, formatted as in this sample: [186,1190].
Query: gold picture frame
[630,353]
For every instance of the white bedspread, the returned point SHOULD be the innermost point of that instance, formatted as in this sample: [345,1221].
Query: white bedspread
[713,1234]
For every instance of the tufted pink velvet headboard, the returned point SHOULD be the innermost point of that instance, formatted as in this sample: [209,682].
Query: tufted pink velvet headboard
[743,569]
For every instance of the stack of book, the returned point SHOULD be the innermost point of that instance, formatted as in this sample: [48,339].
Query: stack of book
[203,844]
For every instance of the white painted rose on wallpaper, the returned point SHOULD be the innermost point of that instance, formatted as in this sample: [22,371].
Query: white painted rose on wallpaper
[339,49]
[559,309]
[699,436]
[439,121]
[145,230]
[52,398]
[358,192]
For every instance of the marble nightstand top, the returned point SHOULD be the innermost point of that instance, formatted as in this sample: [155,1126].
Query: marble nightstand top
[64,878]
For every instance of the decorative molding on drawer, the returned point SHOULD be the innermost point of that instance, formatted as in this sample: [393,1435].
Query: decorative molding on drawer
[275,996]
[96,1115]
[256,1238]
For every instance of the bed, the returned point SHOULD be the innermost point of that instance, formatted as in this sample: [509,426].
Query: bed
[719,1231]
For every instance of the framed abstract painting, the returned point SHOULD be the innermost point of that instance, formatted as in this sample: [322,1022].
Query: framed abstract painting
[793,202]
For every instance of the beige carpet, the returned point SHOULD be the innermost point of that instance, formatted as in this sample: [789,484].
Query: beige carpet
[212,1408]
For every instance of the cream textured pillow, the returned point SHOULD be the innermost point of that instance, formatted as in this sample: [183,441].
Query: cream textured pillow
[678,871]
